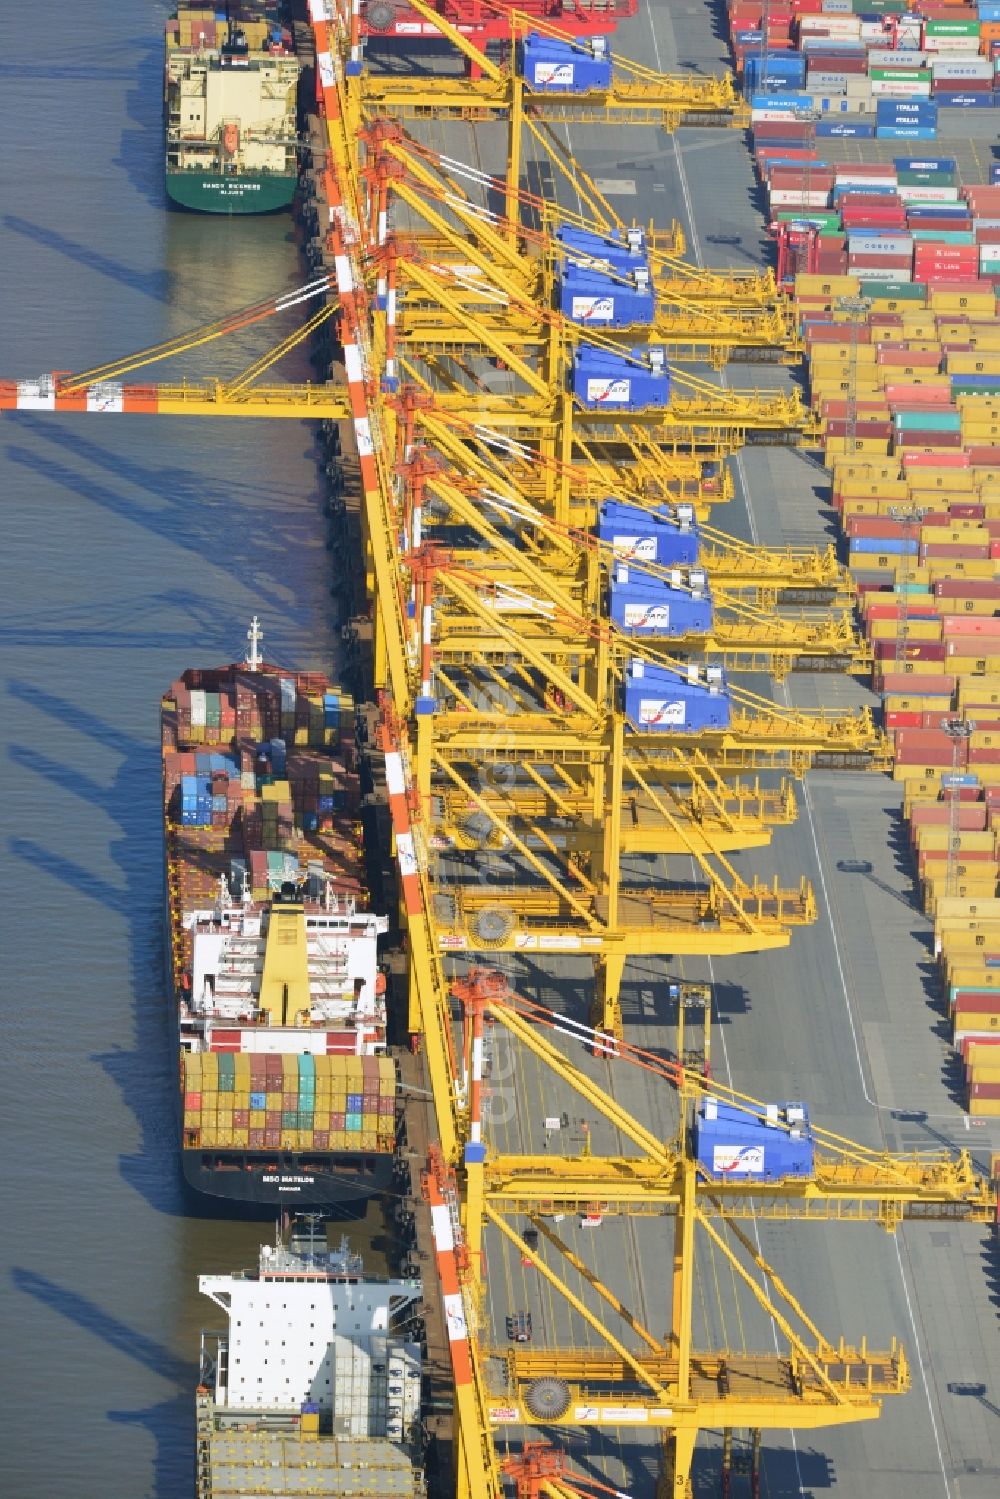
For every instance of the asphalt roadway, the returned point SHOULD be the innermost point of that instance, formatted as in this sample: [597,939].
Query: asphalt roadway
[848,1018]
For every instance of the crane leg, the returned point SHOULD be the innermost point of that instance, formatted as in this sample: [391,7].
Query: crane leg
[606,1014]
[678,1455]
[726,1476]
[755,1464]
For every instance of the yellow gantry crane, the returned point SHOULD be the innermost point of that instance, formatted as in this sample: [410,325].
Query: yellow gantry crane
[626,1367]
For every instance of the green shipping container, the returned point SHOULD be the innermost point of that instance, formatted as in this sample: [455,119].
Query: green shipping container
[826,219]
[900,75]
[910,177]
[930,421]
[899,291]
[945,236]
[879,7]
[938,26]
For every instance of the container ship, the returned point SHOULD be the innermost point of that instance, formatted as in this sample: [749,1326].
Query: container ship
[230,108]
[287,1095]
[314,1384]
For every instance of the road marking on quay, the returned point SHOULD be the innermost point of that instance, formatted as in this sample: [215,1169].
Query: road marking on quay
[918,1349]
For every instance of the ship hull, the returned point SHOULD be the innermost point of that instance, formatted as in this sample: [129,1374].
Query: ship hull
[285,1180]
[215,192]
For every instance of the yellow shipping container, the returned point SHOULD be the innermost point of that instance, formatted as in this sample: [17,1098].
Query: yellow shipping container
[984,1108]
[916,629]
[981,1054]
[210,1063]
[981,362]
[942,568]
[976,303]
[974,1020]
[810,285]
[192,1118]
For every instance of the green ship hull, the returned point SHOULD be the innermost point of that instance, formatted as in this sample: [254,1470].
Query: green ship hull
[249,192]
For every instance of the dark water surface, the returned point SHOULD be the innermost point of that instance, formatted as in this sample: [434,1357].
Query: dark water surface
[131,547]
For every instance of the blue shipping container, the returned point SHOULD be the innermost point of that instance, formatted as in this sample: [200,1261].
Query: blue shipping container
[963,101]
[845,129]
[560,67]
[660,701]
[896,546]
[906,132]
[615,381]
[730,1143]
[649,606]
[924,163]
[641,534]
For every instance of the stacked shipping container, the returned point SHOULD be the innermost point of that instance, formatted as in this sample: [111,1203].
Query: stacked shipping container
[259,1101]
[909,399]
[838,59]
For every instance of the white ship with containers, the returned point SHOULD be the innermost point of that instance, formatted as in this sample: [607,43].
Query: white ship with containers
[314,1385]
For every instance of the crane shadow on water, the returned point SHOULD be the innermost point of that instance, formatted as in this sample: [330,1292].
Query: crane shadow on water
[191,515]
[156,284]
[171,1423]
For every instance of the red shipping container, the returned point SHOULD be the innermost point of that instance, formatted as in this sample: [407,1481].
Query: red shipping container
[909,395]
[859,261]
[978,625]
[881,171]
[836,333]
[899,354]
[960,551]
[877,526]
[896,682]
[979,1001]
[971,818]
[935,460]
[915,650]
[839,428]
[900,719]
[980,457]
[927,438]
[967,511]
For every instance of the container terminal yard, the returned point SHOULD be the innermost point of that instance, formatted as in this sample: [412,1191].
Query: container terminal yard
[697,1007]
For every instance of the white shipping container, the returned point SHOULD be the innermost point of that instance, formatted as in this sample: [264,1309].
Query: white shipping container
[791,116]
[858,86]
[899,88]
[882,57]
[826,83]
[837,28]
[871,31]
[989,255]
[789,197]
[868,273]
[837,8]
[951,44]
[933,192]
[961,67]
[879,244]
[198,709]
[851,176]
[986,223]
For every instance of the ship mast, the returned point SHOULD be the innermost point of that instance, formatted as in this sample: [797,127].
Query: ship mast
[255,635]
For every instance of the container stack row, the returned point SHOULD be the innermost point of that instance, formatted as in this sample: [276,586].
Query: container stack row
[259,1101]
[897,225]
[905,378]
[869,67]
[262,707]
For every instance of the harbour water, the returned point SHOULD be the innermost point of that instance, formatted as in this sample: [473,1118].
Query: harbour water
[132,547]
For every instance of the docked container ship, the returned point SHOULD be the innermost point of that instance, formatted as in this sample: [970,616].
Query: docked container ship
[314,1384]
[286,1092]
[230,108]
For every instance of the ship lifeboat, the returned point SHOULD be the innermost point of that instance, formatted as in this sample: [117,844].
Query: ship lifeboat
[231,139]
